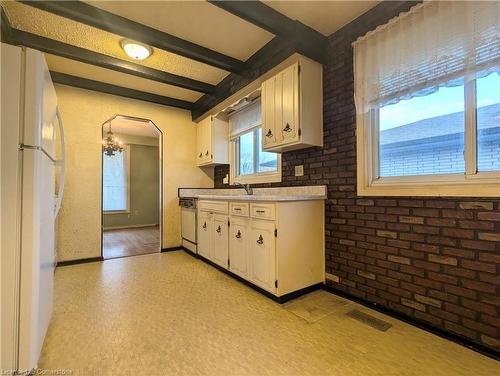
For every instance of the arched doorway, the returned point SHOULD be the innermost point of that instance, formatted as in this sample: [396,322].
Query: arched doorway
[131,187]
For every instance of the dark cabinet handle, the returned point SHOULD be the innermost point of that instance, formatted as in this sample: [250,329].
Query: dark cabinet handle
[205,226]
[218,229]
[269,133]
[201,155]
[237,209]
[260,240]
[238,234]
[206,153]
[260,211]
[287,128]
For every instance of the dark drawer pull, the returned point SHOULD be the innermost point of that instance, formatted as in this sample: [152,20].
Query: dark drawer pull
[261,211]
[201,155]
[205,226]
[237,209]
[287,128]
[260,240]
[206,153]
[269,133]
[218,229]
[238,235]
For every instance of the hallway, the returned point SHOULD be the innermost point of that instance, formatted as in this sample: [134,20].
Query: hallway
[171,314]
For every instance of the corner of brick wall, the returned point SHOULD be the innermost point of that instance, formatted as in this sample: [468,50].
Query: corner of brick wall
[436,260]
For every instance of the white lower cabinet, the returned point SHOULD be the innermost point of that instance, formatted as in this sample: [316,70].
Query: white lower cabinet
[220,244]
[239,236]
[276,246]
[262,256]
[205,226]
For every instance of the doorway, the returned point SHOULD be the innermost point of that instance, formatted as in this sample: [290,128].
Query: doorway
[131,187]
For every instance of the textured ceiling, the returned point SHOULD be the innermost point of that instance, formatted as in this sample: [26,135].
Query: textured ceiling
[46,24]
[132,127]
[93,72]
[323,16]
[196,21]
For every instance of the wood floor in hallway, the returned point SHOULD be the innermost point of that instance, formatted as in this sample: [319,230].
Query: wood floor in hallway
[130,242]
[172,314]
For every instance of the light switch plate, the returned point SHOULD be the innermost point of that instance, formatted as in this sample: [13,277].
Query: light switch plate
[299,170]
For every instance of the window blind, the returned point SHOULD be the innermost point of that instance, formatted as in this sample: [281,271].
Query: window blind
[435,44]
[245,119]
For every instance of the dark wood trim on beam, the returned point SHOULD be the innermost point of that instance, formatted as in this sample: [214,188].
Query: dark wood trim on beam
[273,53]
[308,41]
[90,57]
[104,20]
[84,83]
[6,28]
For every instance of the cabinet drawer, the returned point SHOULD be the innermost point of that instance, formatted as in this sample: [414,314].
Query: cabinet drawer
[239,208]
[213,206]
[263,211]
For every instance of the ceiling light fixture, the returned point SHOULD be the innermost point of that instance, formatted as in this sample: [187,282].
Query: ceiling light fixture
[136,50]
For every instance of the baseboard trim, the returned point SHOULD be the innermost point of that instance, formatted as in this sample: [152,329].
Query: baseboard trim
[419,324]
[172,249]
[278,299]
[79,261]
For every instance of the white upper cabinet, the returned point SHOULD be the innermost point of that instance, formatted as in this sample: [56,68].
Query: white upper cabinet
[212,142]
[292,108]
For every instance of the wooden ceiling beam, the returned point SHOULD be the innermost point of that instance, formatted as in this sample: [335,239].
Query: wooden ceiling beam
[307,41]
[84,83]
[104,20]
[94,58]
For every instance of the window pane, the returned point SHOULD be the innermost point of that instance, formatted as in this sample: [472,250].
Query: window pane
[114,177]
[246,154]
[423,135]
[266,161]
[488,122]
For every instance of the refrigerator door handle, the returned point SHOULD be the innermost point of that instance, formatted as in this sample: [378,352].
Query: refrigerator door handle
[62,163]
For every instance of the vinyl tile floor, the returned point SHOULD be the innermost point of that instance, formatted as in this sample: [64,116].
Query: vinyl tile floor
[172,314]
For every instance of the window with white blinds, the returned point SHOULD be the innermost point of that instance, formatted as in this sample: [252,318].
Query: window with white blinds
[248,162]
[427,95]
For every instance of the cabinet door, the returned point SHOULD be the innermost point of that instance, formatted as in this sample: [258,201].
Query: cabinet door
[205,224]
[262,254]
[220,248]
[268,113]
[238,246]
[289,126]
[200,142]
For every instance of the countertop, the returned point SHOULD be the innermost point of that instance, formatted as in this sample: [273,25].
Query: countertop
[302,193]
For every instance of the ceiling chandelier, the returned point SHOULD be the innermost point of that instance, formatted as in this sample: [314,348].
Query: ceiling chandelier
[111,144]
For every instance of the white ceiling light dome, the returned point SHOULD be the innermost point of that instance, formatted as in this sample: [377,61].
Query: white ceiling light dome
[136,50]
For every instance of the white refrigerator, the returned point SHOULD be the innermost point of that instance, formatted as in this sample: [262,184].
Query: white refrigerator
[31,137]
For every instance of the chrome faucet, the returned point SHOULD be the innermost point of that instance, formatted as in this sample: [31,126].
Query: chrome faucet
[247,188]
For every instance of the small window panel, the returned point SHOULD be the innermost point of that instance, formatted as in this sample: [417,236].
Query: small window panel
[115,189]
[249,163]
[488,122]
[423,135]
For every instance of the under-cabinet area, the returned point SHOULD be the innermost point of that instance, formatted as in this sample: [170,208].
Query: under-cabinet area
[265,242]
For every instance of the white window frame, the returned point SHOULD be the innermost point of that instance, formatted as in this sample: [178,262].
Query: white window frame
[256,178]
[126,151]
[470,183]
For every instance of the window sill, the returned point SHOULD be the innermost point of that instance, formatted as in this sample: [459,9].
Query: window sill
[105,212]
[481,185]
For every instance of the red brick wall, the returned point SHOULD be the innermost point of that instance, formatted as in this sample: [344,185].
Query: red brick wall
[433,259]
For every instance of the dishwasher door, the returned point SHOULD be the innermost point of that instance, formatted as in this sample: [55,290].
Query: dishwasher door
[188,228]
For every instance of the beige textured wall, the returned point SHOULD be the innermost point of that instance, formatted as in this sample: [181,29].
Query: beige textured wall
[83,112]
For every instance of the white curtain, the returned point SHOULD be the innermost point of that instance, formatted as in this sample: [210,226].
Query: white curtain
[435,44]
[245,119]
[115,181]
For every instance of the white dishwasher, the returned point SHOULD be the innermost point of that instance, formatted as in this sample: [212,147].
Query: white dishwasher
[188,223]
